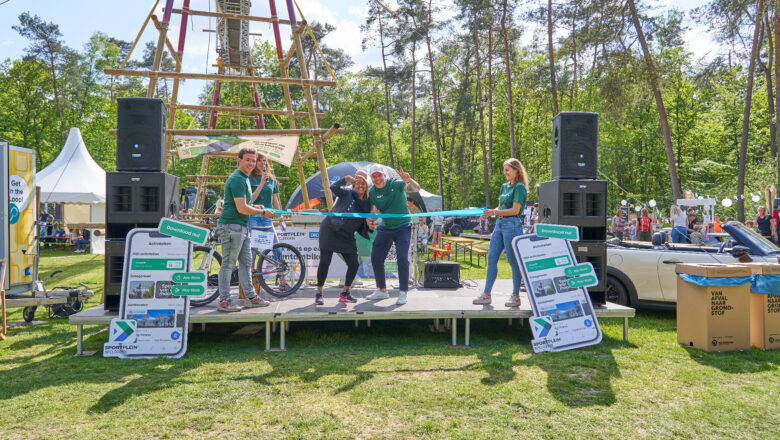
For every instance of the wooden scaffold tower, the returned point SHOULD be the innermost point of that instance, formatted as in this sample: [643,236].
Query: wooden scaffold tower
[235,65]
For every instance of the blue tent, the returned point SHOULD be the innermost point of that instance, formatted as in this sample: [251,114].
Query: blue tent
[423,200]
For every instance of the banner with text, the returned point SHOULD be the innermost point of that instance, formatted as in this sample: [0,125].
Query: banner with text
[280,149]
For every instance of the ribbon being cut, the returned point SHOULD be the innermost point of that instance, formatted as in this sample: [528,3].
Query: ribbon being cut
[471,212]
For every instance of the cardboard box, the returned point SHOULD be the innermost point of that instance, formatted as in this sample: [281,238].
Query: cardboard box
[764,311]
[713,318]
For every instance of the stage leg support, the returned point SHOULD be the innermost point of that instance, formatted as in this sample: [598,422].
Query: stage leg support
[625,329]
[468,331]
[454,332]
[79,340]
[283,326]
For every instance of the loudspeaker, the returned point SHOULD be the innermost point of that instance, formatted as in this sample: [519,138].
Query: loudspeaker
[140,198]
[595,253]
[598,298]
[140,137]
[581,203]
[112,274]
[575,139]
[441,274]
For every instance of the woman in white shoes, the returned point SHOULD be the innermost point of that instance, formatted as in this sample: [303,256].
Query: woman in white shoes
[509,224]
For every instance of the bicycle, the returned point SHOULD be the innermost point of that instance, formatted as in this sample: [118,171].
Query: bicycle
[278,278]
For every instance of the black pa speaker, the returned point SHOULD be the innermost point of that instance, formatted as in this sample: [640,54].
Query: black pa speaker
[112,274]
[140,137]
[595,253]
[140,198]
[441,275]
[581,203]
[575,139]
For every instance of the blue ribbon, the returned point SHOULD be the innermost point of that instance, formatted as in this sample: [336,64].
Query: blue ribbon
[769,284]
[471,212]
[715,281]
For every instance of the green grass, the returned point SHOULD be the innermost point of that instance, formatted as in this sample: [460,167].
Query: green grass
[392,380]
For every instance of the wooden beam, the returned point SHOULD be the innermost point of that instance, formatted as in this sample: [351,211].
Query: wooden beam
[218,77]
[229,16]
[255,132]
[176,56]
[248,110]
[254,34]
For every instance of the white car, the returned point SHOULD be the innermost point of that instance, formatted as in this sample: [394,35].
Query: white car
[642,275]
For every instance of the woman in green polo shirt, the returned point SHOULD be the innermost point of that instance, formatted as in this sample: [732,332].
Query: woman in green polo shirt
[265,191]
[509,225]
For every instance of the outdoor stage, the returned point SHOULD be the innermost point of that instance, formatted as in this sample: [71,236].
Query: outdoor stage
[449,305]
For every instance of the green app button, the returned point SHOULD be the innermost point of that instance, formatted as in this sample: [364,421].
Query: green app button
[188,290]
[580,269]
[587,280]
[189,277]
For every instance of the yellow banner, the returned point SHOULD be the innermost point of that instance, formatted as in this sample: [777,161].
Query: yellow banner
[21,214]
[280,149]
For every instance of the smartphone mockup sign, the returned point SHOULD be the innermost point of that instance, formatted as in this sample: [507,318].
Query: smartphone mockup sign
[156,286]
[563,313]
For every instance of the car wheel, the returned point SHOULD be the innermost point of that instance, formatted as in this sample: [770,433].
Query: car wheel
[616,292]
[455,230]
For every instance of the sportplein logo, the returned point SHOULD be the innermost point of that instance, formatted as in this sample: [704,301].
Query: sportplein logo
[122,331]
[546,327]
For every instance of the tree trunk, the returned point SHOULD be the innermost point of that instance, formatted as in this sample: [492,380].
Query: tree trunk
[387,93]
[414,98]
[485,164]
[551,55]
[53,70]
[777,91]
[435,99]
[769,86]
[746,116]
[659,102]
[490,97]
[574,57]
[508,73]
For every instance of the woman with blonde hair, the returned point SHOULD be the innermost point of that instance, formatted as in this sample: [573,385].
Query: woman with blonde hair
[509,225]
[679,223]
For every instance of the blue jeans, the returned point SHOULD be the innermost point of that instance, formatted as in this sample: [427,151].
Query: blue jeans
[80,243]
[506,229]
[384,239]
[264,223]
[235,246]
[679,234]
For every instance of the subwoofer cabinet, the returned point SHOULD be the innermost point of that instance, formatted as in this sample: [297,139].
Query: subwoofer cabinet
[112,274]
[581,203]
[140,198]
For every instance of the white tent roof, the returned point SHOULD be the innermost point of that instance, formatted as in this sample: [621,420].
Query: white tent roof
[73,177]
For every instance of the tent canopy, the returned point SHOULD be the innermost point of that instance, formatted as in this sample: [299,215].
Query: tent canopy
[73,177]
[424,200]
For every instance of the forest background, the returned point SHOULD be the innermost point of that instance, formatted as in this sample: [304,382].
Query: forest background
[452,99]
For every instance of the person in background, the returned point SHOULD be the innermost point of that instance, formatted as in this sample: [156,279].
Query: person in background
[691,221]
[679,223]
[632,230]
[716,224]
[696,236]
[484,225]
[509,225]
[233,233]
[618,224]
[422,233]
[750,225]
[764,223]
[337,234]
[82,239]
[645,226]
[528,213]
[534,217]
[438,224]
[388,196]
[265,193]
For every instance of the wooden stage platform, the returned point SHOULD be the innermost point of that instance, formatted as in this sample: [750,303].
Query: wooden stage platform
[449,305]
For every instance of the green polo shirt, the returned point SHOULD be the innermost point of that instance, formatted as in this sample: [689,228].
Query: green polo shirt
[267,193]
[237,185]
[391,199]
[511,193]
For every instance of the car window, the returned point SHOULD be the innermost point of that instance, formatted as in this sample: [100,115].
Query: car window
[766,246]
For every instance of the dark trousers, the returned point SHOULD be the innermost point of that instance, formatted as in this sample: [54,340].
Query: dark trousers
[384,239]
[325,259]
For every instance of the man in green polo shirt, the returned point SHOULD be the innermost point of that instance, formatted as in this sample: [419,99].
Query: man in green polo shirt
[233,232]
[388,196]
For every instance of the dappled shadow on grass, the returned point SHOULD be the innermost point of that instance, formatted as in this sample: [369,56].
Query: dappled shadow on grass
[737,362]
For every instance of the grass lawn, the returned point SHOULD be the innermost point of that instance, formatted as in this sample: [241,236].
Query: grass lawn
[392,380]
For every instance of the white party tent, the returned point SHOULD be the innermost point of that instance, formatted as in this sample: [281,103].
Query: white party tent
[74,178]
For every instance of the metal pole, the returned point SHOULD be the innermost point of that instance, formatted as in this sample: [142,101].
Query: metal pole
[275,23]
[79,339]
[267,336]
[625,329]
[281,335]
[468,331]
[454,331]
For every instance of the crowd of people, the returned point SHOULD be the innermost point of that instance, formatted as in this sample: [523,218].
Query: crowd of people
[52,232]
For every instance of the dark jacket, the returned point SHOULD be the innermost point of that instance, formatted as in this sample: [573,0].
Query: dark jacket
[348,201]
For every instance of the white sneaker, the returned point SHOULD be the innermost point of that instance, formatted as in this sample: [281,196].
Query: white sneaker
[401,299]
[378,294]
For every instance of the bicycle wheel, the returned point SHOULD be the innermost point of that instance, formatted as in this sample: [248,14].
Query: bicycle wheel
[281,278]
[200,255]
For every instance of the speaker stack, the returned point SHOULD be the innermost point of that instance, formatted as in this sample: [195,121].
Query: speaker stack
[139,193]
[574,196]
